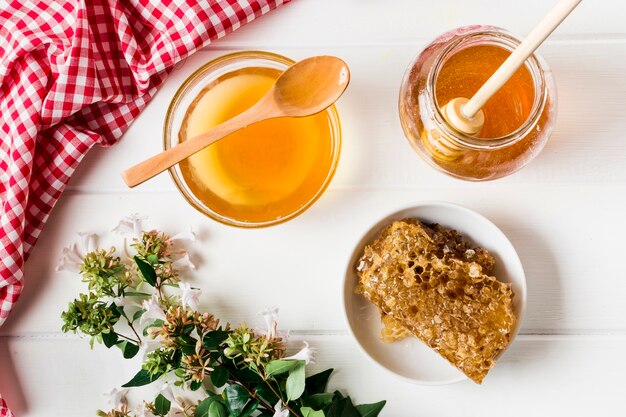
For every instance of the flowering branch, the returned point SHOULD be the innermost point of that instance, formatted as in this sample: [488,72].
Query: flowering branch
[205,369]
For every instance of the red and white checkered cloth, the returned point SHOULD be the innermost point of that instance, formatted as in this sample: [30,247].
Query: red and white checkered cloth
[74,74]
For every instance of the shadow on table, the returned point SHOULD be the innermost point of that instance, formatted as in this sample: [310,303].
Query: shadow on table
[589,119]
[10,386]
[40,276]
[544,310]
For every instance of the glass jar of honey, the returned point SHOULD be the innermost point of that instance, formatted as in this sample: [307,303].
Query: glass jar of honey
[264,174]
[519,118]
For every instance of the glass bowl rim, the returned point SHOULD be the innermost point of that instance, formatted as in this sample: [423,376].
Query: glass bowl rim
[205,71]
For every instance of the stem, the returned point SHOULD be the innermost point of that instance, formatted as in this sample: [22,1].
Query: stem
[127,338]
[286,403]
[252,394]
[130,324]
[134,331]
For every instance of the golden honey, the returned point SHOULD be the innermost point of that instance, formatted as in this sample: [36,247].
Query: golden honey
[519,118]
[264,172]
[467,70]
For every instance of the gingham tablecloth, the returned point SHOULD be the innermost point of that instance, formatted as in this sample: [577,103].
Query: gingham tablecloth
[74,74]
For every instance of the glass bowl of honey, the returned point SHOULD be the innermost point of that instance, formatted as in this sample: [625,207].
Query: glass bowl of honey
[264,174]
[519,118]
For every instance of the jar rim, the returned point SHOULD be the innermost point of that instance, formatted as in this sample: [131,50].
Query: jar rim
[500,37]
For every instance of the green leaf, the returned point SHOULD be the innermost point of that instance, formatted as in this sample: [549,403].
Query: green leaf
[349,410]
[338,395]
[236,398]
[266,394]
[217,409]
[129,349]
[219,376]
[318,401]
[109,339]
[152,258]
[295,382]
[162,405]
[370,410]
[117,311]
[249,409]
[212,340]
[278,367]
[195,385]
[316,384]
[342,407]
[137,315]
[136,294]
[309,412]
[147,271]
[247,375]
[142,377]
[203,408]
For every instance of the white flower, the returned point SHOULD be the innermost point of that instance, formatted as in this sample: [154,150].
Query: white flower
[121,301]
[130,225]
[280,411]
[270,315]
[117,397]
[190,297]
[152,310]
[306,354]
[149,345]
[70,260]
[190,236]
[178,253]
[142,411]
[72,255]
[174,394]
[183,263]
[167,391]
[88,241]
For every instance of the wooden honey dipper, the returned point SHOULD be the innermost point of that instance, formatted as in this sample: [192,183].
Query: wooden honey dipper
[466,115]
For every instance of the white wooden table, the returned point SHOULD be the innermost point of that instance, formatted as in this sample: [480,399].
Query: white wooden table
[565,213]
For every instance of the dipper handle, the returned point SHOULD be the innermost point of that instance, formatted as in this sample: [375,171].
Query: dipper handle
[520,55]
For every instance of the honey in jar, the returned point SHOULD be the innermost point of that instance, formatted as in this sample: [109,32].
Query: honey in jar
[467,70]
[519,118]
[265,172]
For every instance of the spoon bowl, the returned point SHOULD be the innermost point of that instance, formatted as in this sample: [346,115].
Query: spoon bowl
[310,86]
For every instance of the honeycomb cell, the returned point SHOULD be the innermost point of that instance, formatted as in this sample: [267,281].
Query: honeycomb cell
[430,282]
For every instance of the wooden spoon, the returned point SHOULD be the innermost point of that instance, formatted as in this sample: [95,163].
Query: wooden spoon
[306,88]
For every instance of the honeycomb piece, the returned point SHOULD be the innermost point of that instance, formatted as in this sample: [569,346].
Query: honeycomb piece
[437,285]
[392,330]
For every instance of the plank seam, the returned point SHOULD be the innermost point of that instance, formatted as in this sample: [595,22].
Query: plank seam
[582,38]
[341,333]
[80,190]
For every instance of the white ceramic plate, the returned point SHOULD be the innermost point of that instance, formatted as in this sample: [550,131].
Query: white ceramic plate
[410,359]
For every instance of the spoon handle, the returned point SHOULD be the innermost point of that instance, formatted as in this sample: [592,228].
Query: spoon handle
[147,169]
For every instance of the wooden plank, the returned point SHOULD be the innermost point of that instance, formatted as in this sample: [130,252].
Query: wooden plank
[358,22]
[574,376]
[572,259]
[585,147]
